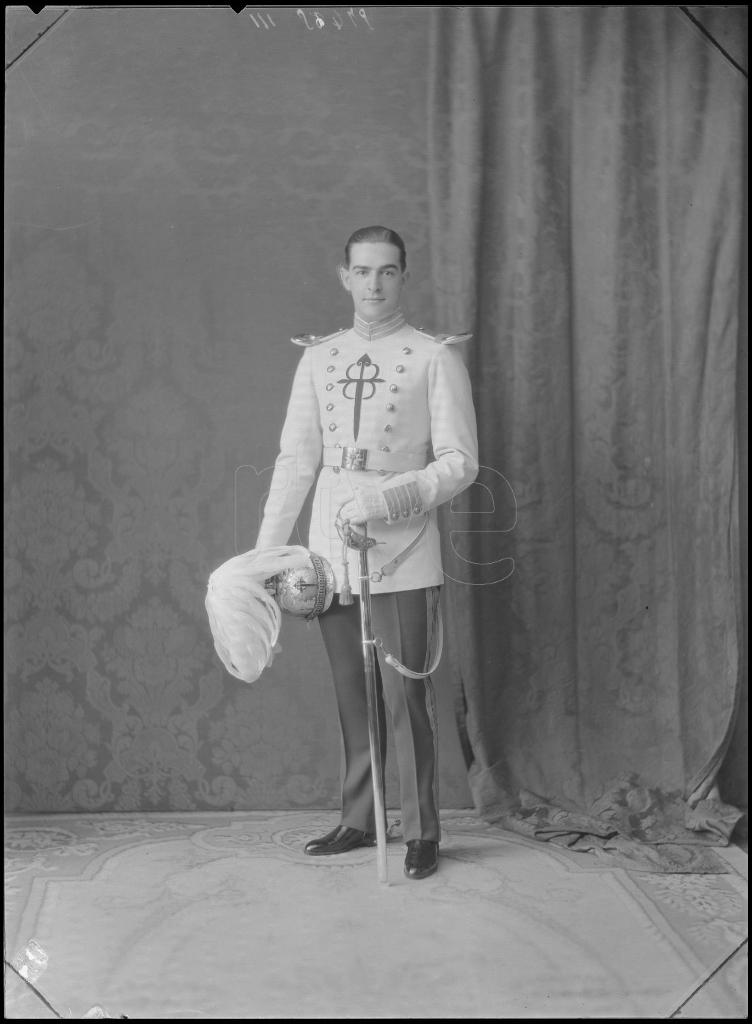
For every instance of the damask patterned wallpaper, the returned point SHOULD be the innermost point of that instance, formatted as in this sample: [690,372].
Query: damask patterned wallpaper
[179,186]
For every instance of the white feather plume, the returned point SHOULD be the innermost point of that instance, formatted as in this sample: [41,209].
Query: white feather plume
[244,618]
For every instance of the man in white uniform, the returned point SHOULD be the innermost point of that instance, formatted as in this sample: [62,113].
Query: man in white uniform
[381,418]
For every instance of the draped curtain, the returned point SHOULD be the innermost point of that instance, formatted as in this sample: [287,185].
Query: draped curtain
[586,196]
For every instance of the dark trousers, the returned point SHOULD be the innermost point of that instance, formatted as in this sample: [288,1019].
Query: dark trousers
[400,620]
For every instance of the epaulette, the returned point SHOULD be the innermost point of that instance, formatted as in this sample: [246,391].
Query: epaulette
[307,340]
[444,339]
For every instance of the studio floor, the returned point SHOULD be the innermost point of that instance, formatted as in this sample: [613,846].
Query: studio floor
[222,916]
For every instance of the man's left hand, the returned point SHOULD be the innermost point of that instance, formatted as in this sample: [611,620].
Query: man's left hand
[366,503]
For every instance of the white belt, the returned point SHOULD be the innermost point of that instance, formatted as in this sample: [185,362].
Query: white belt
[359,459]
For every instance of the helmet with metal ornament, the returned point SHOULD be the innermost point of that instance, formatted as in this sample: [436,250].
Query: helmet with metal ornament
[247,594]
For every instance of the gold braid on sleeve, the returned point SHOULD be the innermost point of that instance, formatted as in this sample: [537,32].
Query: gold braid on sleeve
[403,501]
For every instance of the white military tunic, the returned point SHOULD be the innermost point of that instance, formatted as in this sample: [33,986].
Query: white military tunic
[400,394]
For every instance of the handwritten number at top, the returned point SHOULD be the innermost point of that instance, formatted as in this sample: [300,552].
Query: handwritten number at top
[313,19]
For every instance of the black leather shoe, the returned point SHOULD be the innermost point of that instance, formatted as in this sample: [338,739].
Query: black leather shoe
[422,858]
[339,840]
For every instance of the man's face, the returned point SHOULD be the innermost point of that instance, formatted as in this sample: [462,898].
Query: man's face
[374,279]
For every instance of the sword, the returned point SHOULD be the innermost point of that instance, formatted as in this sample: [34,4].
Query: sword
[374,731]
[362,542]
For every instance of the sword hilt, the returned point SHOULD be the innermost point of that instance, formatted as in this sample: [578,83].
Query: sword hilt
[352,538]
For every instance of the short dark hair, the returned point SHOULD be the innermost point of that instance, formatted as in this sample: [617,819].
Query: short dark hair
[376,233]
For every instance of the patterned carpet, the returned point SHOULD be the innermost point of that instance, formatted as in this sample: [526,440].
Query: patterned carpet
[216,916]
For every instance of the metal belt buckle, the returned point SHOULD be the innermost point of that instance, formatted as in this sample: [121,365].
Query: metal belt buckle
[354,458]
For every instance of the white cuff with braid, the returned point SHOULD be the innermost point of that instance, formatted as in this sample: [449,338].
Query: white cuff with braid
[392,504]
[403,501]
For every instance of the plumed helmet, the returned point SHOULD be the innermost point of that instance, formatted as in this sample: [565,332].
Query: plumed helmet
[306,590]
[247,594]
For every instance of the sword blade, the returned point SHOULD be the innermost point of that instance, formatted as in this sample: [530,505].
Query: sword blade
[374,730]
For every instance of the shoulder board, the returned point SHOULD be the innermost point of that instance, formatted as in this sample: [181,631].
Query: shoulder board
[444,339]
[308,340]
